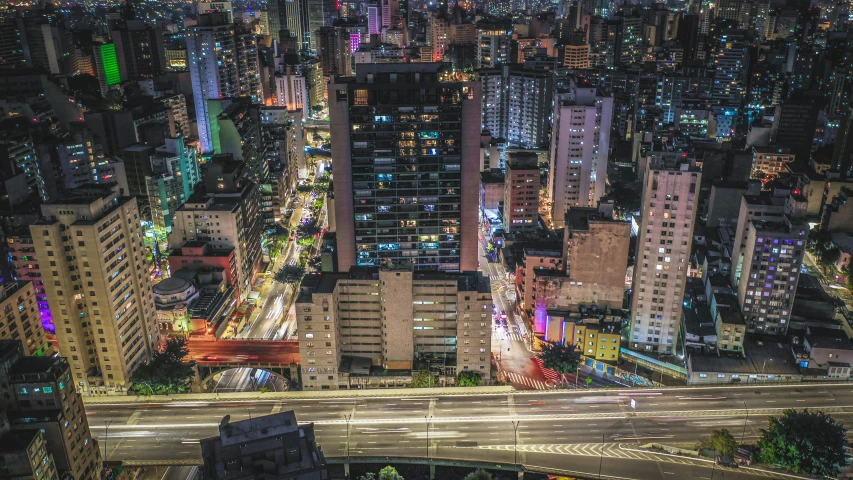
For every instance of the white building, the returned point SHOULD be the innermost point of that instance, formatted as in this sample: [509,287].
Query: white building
[580,144]
[670,192]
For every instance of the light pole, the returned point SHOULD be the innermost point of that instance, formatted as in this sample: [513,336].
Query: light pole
[577,374]
[348,418]
[106,439]
[427,420]
[515,425]
[745,421]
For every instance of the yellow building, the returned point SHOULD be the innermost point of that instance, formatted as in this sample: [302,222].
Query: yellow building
[596,333]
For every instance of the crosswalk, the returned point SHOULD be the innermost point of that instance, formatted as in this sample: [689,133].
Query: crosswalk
[495,277]
[517,380]
[501,334]
[623,451]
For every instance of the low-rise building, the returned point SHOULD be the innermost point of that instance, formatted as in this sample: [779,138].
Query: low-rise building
[270,446]
[595,332]
[764,362]
[771,161]
[23,455]
[393,318]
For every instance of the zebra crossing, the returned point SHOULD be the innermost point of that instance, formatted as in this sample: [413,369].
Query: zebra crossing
[622,451]
[517,379]
[495,277]
[501,334]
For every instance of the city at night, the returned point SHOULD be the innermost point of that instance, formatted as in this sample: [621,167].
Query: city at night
[426,239]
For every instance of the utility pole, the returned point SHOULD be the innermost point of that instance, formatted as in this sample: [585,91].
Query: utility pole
[745,421]
[348,418]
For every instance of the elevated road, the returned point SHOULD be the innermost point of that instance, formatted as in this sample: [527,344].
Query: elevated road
[574,431]
[248,353]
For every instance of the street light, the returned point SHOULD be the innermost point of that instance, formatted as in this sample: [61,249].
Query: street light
[745,421]
[427,420]
[348,418]
[106,439]
[515,425]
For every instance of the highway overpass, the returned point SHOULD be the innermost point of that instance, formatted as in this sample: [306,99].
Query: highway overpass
[572,431]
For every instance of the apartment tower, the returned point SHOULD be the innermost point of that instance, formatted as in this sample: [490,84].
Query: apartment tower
[92,261]
[406,164]
[670,192]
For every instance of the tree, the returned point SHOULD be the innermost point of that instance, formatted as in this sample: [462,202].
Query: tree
[166,372]
[478,474]
[290,273]
[389,473]
[559,357]
[588,381]
[467,378]
[805,442]
[848,276]
[423,379]
[723,442]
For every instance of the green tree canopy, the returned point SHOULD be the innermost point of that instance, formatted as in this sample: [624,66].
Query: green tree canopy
[467,378]
[290,273]
[424,379]
[166,373]
[805,442]
[559,357]
[478,474]
[723,442]
[389,473]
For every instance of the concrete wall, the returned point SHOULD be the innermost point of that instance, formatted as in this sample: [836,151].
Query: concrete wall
[397,319]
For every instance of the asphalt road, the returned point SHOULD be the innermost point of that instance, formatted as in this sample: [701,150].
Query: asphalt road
[569,430]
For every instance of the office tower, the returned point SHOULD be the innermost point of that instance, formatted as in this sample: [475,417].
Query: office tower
[579,149]
[291,90]
[11,46]
[40,395]
[271,446]
[842,153]
[670,194]
[373,20]
[437,37]
[282,134]
[223,63]
[22,320]
[288,18]
[732,62]
[140,49]
[225,218]
[48,46]
[795,122]
[412,195]
[321,13]
[98,287]
[335,51]
[404,320]
[631,39]
[521,192]
[106,66]
[179,122]
[517,104]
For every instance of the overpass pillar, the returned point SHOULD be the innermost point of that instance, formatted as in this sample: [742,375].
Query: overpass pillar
[520,474]
[346,470]
[431,471]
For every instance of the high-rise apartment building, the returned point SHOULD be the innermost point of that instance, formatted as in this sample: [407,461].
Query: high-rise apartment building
[517,103]
[288,18]
[406,164]
[392,318]
[769,270]
[291,90]
[223,63]
[521,192]
[335,51]
[39,394]
[284,142]
[670,194]
[18,158]
[321,13]
[24,267]
[20,318]
[580,146]
[93,261]
[237,132]
[179,122]
[11,46]
[731,65]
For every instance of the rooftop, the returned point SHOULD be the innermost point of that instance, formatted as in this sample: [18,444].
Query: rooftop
[762,358]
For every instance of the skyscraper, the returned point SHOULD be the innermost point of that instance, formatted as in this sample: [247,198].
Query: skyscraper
[517,104]
[140,49]
[670,192]
[406,166]
[98,289]
[223,63]
[732,62]
[580,147]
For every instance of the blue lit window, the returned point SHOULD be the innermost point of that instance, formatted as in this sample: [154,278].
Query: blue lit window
[48,389]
